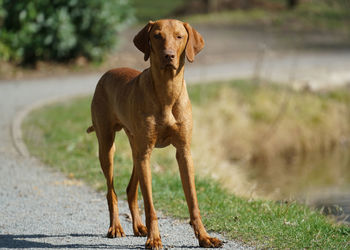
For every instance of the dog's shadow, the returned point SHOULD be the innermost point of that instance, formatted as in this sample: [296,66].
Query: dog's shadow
[17,241]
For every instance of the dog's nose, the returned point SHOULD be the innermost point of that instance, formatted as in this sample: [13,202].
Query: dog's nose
[169,55]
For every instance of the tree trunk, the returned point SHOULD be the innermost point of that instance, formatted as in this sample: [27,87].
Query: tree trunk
[292,3]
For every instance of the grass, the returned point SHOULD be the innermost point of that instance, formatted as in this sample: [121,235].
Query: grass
[56,134]
[306,17]
[155,9]
[266,125]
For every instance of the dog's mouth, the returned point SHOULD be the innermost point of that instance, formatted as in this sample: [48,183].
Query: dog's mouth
[170,66]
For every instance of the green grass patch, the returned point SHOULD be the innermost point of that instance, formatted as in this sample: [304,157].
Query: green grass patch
[56,135]
[155,9]
[307,16]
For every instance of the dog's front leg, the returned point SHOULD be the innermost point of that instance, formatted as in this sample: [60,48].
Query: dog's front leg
[141,161]
[184,159]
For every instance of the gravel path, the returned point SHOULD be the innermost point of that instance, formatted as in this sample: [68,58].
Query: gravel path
[40,208]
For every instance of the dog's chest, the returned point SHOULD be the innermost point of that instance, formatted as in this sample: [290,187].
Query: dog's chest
[166,127]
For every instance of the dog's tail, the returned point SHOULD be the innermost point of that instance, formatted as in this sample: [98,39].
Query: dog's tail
[90,129]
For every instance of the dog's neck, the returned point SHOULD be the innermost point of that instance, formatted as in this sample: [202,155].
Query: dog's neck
[168,84]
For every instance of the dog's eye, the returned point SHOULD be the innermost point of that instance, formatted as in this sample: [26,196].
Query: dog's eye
[179,37]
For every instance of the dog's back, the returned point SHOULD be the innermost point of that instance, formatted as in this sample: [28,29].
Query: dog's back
[116,78]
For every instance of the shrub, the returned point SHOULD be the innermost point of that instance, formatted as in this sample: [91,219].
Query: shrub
[59,30]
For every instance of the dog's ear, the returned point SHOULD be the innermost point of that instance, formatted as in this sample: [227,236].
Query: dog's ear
[141,40]
[195,42]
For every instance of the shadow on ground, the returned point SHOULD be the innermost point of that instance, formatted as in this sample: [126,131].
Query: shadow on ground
[16,241]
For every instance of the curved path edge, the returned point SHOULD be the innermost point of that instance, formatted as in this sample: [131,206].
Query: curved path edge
[16,125]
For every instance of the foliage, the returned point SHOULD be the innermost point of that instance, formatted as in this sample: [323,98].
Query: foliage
[32,30]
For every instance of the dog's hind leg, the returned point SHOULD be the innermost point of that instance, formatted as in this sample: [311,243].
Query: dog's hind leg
[132,190]
[106,153]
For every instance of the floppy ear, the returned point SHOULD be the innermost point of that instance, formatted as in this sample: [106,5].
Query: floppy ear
[141,40]
[195,42]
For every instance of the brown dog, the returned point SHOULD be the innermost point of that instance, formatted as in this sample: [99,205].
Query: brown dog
[154,110]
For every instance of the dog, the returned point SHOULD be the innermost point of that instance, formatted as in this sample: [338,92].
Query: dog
[154,110]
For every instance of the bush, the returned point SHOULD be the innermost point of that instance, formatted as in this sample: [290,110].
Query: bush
[59,30]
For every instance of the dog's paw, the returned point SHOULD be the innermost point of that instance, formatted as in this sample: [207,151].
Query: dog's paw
[140,230]
[154,243]
[209,242]
[115,231]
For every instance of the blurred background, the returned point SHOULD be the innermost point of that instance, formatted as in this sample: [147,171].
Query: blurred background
[42,36]
[279,130]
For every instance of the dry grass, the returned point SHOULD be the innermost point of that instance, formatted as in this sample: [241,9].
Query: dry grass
[265,125]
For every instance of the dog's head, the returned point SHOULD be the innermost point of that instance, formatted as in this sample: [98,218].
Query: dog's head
[168,41]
